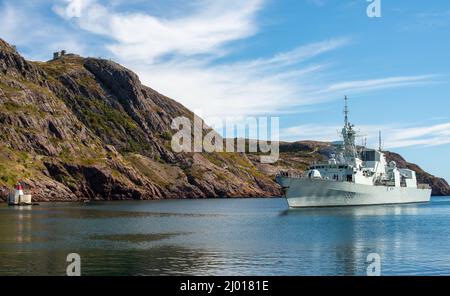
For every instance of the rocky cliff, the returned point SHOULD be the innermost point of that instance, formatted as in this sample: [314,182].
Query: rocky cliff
[78,128]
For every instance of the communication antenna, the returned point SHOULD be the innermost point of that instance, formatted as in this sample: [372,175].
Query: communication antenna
[380,145]
[364,142]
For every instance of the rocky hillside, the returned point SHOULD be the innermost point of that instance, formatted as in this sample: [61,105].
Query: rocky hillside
[78,128]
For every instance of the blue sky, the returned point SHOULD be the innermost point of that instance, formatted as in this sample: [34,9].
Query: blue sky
[289,58]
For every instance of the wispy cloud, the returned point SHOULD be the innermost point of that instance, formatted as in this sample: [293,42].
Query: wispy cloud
[383,83]
[25,26]
[395,135]
[420,136]
[139,36]
[182,54]
[297,55]
[178,56]
[253,87]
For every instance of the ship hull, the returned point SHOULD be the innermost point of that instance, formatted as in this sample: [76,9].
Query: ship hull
[304,193]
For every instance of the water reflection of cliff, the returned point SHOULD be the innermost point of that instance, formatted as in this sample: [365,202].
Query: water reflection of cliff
[20,235]
[37,242]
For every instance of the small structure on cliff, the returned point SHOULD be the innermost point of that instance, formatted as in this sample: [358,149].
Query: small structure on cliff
[63,54]
[59,54]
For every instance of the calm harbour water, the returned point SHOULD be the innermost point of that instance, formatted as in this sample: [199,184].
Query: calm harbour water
[224,237]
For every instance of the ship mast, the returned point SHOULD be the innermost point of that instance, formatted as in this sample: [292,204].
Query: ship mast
[348,134]
[380,146]
[346,112]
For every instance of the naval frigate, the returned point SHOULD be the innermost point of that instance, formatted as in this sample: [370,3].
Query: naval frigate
[353,177]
